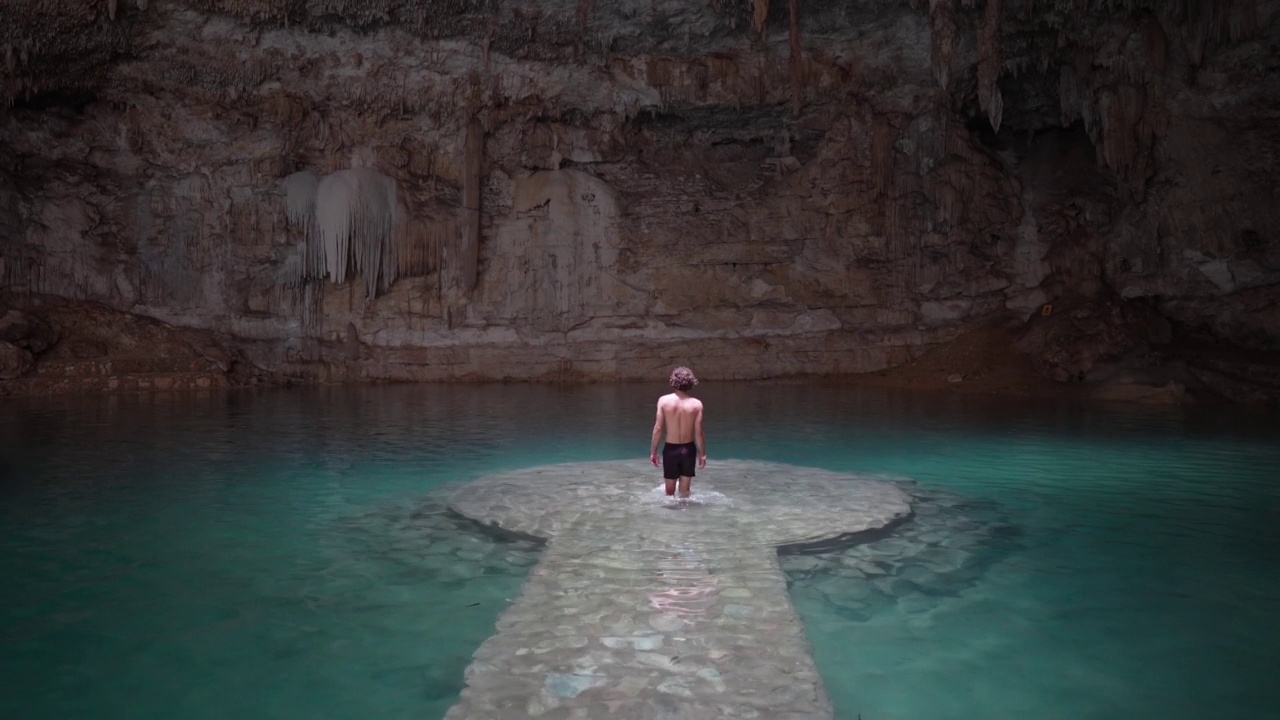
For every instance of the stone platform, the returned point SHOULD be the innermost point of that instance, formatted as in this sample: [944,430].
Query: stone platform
[645,607]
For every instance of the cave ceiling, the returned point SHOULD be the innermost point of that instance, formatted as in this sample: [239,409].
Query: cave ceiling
[68,53]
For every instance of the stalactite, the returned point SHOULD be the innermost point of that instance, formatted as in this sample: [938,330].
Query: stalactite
[352,226]
[795,58]
[1123,124]
[373,215]
[1157,47]
[1151,122]
[948,184]
[701,81]
[1110,125]
[473,167]
[759,16]
[22,269]
[928,137]
[1069,101]
[946,201]
[1123,132]
[300,208]
[1242,19]
[1210,22]
[310,300]
[584,14]
[300,198]
[989,98]
[722,71]
[883,138]
[943,39]
[419,246]
[660,74]
[112,6]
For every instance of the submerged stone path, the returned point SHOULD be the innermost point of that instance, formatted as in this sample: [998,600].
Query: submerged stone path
[644,607]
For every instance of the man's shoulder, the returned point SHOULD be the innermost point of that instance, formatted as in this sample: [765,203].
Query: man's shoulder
[668,398]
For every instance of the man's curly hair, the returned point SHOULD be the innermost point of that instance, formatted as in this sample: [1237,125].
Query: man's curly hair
[683,379]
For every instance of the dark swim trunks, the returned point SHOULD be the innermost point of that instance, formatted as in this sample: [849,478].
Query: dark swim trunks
[678,460]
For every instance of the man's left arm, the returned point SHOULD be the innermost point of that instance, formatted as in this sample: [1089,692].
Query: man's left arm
[702,439]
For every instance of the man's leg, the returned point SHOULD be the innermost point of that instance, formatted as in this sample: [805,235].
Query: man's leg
[684,486]
[669,474]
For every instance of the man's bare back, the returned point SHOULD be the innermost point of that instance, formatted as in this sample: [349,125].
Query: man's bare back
[679,422]
[681,414]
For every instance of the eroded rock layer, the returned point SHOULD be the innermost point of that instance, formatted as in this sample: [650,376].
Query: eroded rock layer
[596,190]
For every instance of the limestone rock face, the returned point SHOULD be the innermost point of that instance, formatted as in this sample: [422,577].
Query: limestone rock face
[599,190]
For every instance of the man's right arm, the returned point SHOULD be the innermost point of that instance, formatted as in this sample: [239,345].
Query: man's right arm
[657,435]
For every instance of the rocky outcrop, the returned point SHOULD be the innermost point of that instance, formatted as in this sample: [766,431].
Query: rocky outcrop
[98,348]
[14,361]
[600,190]
[1079,341]
[22,338]
[27,331]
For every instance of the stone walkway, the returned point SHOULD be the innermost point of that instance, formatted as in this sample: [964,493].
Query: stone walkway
[643,607]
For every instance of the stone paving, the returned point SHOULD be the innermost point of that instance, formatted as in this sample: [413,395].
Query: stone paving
[646,607]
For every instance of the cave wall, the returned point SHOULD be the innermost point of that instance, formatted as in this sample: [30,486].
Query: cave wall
[697,181]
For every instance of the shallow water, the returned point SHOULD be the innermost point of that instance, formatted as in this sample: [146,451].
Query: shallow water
[285,554]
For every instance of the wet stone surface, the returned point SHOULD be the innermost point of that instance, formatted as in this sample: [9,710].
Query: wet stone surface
[645,607]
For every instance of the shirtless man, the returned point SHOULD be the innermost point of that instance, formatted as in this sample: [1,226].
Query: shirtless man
[681,415]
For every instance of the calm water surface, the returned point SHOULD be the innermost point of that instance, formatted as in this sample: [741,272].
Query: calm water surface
[285,553]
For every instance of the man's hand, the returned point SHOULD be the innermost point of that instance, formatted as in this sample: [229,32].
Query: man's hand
[702,460]
[653,458]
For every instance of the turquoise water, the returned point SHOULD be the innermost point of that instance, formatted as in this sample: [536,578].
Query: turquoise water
[285,553]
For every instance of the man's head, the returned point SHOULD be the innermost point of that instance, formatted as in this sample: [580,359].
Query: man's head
[682,379]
